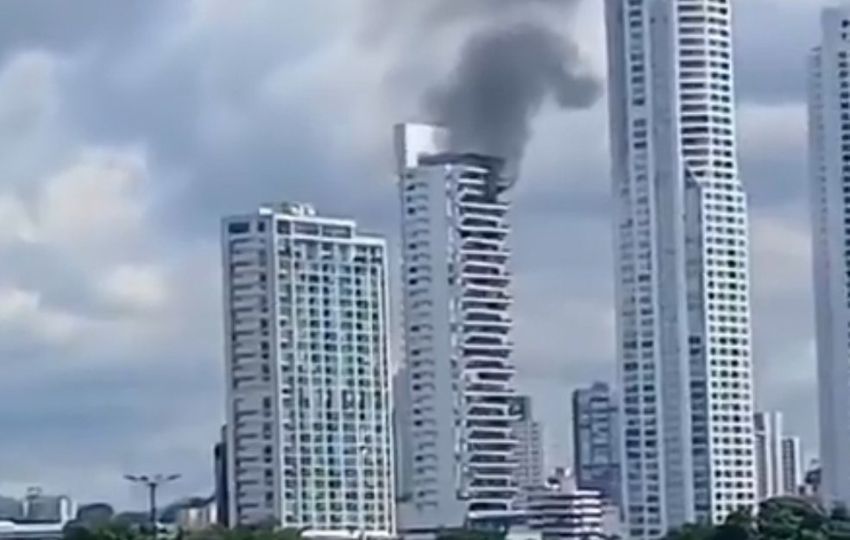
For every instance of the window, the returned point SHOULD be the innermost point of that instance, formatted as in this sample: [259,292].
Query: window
[239,228]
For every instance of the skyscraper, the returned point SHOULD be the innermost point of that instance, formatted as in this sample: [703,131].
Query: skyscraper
[528,453]
[308,391]
[829,128]
[769,437]
[792,465]
[596,448]
[682,283]
[457,389]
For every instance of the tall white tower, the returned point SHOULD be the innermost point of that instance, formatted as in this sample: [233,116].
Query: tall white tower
[769,455]
[682,284]
[829,157]
[455,402]
[308,388]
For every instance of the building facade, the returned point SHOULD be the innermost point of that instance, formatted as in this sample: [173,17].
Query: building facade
[309,436]
[456,391]
[43,508]
[561,510]
[769,459]
[829,128]
[792,465]
[596,448]
[682,270]
[528,453]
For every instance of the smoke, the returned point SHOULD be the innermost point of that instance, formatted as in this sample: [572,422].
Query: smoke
[501,81]
[514,57]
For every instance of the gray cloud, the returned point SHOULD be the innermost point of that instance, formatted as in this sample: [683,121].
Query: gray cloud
[775,69]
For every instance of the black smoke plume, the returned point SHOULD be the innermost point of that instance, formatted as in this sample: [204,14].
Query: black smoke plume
[501,81]
[516,56]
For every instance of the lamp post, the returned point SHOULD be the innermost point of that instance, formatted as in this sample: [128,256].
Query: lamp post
[152,483]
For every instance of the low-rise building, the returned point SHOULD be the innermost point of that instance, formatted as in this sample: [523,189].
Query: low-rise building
[561,510]
[197,514]
[9,530]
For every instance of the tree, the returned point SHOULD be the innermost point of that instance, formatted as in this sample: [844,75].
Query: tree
[110,531]
[469,534]
[690,531]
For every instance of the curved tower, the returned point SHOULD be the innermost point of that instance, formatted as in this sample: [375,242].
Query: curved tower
[682,283]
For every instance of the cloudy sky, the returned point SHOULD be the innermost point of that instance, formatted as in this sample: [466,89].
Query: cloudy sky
[128,128]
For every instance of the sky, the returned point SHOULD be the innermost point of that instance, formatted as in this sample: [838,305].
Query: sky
[128,129]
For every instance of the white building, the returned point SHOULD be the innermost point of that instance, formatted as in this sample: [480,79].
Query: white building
[528,453]
[456,392]
[197,514]
[682,272]
[10,530]
[829,128]
[769,437]
[308,390]
[560,510]
[792,465]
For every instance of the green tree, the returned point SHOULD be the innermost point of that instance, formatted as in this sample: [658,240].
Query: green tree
[690,531]
[469,534]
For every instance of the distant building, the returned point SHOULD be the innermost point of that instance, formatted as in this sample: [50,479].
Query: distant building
[560,510]
[792,465]
[309,438]
[829,169]
[41,516]
[221,482]
[768,432]
[813,480]
[11,509]
[197,514]
[529,445]
[596,448]
[31,531]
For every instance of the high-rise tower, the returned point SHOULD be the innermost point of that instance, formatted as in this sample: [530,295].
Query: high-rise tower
[455,403]
[769,437]
[829,166]
[596,435]
[528,452]
[309,431]
[682,284]
[792,465]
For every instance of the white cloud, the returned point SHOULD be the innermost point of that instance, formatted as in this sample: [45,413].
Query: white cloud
[23,311]
[95,202]
[781,256]
[28,93]
[772,129]
[135,288]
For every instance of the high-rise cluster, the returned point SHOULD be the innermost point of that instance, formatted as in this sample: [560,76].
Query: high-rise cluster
[317,440]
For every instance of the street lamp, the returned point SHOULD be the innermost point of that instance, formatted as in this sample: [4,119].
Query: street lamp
[152,482]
